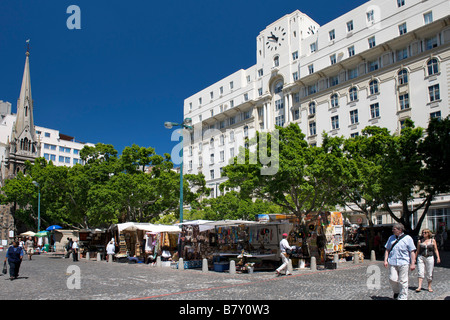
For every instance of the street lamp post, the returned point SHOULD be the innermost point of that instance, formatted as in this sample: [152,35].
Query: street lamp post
[186,124]
[39,205]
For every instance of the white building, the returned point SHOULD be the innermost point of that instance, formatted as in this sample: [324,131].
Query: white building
[379,64]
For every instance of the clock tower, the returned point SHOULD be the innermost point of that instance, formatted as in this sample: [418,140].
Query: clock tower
[279,48]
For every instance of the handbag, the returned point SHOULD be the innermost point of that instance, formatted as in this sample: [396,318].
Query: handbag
[5,268]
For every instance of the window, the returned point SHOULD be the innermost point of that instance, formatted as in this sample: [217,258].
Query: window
[312,108]
[428,17]
[278,87]
[190,150]
[248,79]
[374,111]
[332,35]
[221,90]
[404,101]
[333,59]
[231,103]
[335,122]
[372,42]
[437,218]
[351,51]
[433,66]
[211,173]
[373,86]
[200,147]
[354,134]
[247,114]
[190,165]
[312,128]
[260,91]
[353,73]
[312,47]
[402,77]
[334,100]
[47,134]
[436,114]
[402,54]
[431,43]
[211,158]
[231,85]
[222,156]
[222,139]
[354,116]
[311,69]
[199,101]
[276,61]
[402,29]
[296,114]
[312,89]
[370,16]
[400,3]
[211,94]
[373,65]
[260,73]
[232,152]
[245,96]
[211,143]
[434,93]
[279,121]
[246,131]
[295,55]
[232,136]
[75,151]
[295,76]
[350,26]
[334,81]
[353,94]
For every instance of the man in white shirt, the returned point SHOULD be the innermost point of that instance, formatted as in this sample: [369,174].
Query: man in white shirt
[399,257]
[284,245]
[75,250]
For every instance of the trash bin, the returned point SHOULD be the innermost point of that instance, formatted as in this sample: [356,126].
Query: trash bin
[45,248]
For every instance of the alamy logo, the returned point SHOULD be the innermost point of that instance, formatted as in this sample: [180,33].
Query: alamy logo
[216,138]
[74,21]
[74,280]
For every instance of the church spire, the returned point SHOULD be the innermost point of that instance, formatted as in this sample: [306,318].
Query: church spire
[24,134]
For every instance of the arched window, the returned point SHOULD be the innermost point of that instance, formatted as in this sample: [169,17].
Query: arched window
[334,100]
[312,108]
[232,136]
[433,66]
[402,77]
[222,140]
[246,131]
[373,86]
[278,87]
[211,143]
[353,93]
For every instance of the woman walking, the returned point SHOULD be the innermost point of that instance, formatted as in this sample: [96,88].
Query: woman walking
[14,256]
[426,248]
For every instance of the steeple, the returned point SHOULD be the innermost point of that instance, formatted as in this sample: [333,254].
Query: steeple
[23,143]
[23,129]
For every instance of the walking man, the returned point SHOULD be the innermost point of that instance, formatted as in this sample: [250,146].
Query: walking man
[14,256]
[399,257]
[284,245]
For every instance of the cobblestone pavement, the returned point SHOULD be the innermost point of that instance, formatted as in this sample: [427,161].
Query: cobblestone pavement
[47,278]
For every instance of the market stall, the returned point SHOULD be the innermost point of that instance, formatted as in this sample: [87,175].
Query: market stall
[143,242]
[92,241]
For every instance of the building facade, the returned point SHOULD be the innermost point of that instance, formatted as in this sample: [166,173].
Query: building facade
[382,63]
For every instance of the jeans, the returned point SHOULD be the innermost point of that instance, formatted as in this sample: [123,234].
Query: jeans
[14,268]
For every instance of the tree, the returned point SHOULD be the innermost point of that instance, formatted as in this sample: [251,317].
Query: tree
[304,182]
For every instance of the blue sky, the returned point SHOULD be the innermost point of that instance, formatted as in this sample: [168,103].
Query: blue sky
[132,64]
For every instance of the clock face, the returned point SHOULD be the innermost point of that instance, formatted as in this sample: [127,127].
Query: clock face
[311,29]
[275,38]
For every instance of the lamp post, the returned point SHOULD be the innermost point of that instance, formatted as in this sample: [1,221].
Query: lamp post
[39,205]
[186,124]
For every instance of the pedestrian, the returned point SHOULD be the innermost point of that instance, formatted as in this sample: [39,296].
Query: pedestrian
[399,257]
[426,248]
[284,246]
[14,256]
[30,247]
[110,250]
[75,250]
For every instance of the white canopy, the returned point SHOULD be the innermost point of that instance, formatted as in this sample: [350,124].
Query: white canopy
[149,227]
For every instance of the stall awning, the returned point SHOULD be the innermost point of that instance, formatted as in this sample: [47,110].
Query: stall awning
[149,227]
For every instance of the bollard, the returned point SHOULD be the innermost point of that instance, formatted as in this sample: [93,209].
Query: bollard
[290,268]
[158,261]
[205,265]
[181,264]
[88,256]
[232,267]
[373,256]
[313,264]
[110,258]
[355,257]
[336,259]
[71,255]
[99,256]
[301,263]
